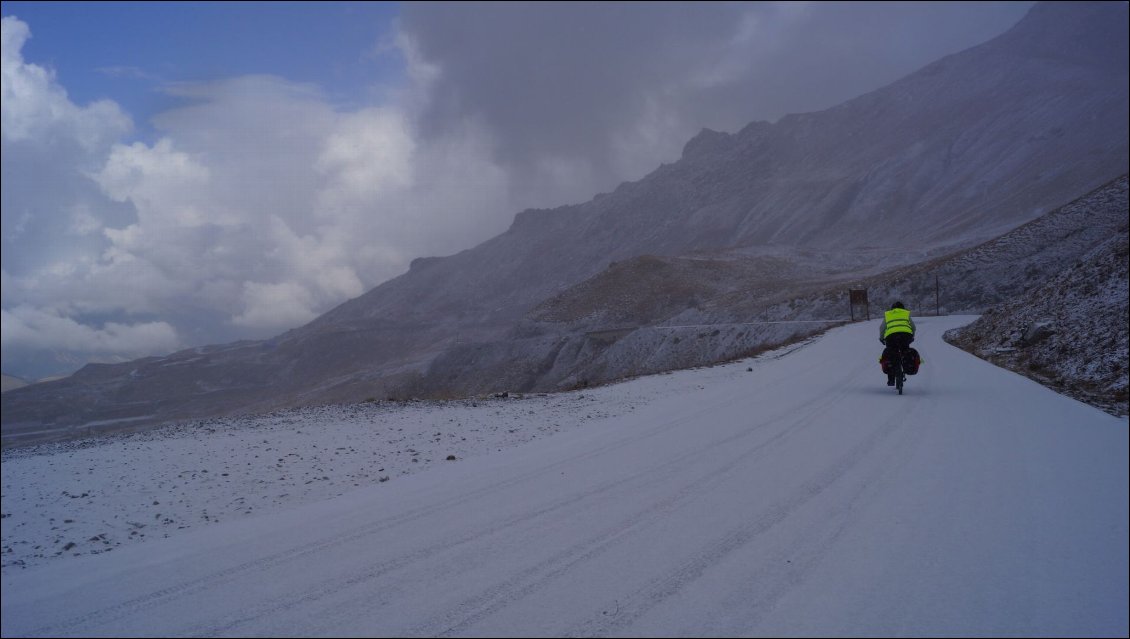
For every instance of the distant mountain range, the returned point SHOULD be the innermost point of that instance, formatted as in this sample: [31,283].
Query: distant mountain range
[760,224]
[11,383]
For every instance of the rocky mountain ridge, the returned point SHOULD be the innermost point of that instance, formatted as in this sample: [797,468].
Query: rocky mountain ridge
[652,314]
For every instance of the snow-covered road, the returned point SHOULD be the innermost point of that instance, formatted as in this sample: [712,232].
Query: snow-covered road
[803,497]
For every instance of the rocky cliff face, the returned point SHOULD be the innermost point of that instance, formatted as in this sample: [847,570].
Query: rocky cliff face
[1069,333]
[959,152]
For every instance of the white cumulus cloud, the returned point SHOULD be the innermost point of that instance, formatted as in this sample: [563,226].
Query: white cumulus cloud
[366,154]
[280,306]
[36,328]
[167,187]
[35,106]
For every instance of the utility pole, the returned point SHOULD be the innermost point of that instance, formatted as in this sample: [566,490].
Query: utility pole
[937,297]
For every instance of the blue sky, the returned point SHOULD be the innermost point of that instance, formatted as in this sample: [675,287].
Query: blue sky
[126,51]
[182,174]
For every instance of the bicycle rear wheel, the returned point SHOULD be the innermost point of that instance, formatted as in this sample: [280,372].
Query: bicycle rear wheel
[900,374]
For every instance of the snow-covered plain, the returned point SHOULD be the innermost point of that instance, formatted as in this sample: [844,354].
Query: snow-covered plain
[89,497]
[802,497]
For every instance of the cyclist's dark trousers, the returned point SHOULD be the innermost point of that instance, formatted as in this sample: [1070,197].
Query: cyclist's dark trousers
[896,342]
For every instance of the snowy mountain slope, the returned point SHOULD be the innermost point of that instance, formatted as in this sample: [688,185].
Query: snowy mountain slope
[1070,333]
[651,314]
[958,152]
[803,497]
[11,383]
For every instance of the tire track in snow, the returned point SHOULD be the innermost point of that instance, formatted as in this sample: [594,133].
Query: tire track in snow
[463,618]
[639,603]
[535,578]
[788,568]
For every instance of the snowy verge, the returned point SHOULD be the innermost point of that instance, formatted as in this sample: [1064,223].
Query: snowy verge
[75,498]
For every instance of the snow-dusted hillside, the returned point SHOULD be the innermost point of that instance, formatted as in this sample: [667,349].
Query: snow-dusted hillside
[1070,333]
[652,314]
[10,383]
[791,495]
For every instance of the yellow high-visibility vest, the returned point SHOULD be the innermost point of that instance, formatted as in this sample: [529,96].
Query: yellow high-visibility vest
[897,320]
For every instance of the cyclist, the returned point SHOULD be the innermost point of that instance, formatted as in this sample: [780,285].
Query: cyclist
[896,333]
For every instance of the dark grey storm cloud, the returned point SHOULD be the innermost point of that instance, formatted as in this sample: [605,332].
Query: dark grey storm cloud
[551,77]
[581,81]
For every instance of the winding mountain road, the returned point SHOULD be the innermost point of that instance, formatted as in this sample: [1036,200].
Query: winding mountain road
[802,498]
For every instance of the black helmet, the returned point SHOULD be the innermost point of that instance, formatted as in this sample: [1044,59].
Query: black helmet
[897,305]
